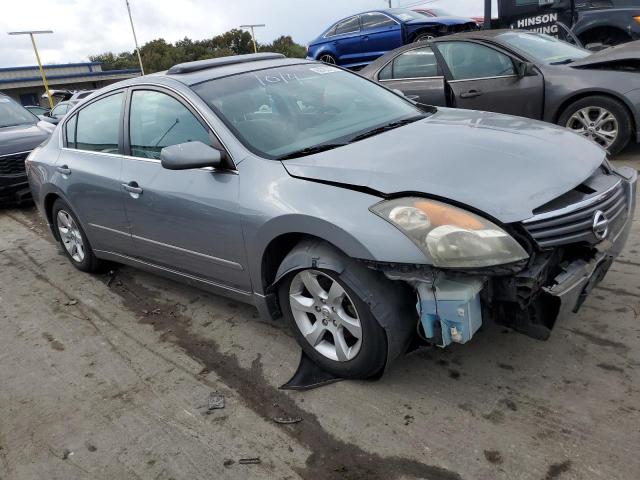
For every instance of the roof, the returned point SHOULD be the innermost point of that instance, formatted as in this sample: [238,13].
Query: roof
[71,75]
[226,66]
[49,67]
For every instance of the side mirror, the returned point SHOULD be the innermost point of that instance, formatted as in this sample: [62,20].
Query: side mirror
[525,69]
[189,155]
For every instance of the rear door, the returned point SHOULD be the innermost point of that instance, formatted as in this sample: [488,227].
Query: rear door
[379,34]
[482,77]
[347,42]
[89,169]
[182,220]
[416,73]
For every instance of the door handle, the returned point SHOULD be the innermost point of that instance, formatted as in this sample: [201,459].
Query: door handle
[471,94]
[133,189]
[64,170]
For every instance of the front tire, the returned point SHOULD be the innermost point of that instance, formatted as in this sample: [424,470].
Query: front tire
[73,239]
[328,59]
[332,324]
[604,120]
[421,37]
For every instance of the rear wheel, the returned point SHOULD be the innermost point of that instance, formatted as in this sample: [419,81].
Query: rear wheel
[332,324]
[72,238]
[327,58]
[604,120]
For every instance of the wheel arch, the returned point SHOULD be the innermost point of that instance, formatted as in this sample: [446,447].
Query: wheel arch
[591,32]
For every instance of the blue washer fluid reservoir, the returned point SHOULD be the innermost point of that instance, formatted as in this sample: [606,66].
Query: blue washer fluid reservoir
[451,312]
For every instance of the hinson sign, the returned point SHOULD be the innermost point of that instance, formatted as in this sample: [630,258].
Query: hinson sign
[546,23]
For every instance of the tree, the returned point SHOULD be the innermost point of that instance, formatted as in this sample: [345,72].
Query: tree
[158,55]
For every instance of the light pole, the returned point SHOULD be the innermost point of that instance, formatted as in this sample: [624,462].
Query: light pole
[135,39]
[31,33]
[253,35]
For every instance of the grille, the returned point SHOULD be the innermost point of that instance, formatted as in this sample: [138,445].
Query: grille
[13,164]
[575,226]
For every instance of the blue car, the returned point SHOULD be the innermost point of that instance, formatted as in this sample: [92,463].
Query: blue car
[358,40]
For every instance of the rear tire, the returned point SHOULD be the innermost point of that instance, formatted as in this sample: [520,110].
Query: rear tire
[602,119]
[72,238]
[328,59]
[332,324]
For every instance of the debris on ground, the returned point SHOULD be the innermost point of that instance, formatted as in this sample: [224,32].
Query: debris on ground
[216,402]
[287,420]
[250,461]
[66,453]
[228,462]
[71,301]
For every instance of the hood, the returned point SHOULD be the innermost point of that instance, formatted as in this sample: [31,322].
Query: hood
[624,52]
[502,165]
[22,138]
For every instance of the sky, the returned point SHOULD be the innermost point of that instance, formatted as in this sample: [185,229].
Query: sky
[86,27]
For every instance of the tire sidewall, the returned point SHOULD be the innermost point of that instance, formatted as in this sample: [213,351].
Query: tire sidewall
[372,356]
[617,109]
[88,263]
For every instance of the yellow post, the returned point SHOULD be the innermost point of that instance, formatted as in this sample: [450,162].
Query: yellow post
[44,78]
[253,37]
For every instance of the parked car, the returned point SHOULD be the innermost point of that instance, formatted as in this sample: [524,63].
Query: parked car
[524,73]
[441,13]
[358,40]
[315,194]
[59,111]
[20,133]
[37,110]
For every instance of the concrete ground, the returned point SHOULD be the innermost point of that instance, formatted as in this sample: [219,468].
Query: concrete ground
[108,377]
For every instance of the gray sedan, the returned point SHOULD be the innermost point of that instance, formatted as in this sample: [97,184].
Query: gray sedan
[524,73]
[317,195]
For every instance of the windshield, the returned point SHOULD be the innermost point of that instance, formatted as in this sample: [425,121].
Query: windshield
[406,15]
[12,114]
[544,48]
[278,111]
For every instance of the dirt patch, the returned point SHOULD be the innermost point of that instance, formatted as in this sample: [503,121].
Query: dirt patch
[493,456]
[331,458]
[55,344]
[557,469]
[599,341]
[610,368]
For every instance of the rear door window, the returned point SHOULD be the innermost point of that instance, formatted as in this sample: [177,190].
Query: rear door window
[98,125]
[467,60]
[157,120]
[417,63]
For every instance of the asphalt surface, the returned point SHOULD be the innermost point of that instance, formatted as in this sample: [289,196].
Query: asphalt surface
[109,376]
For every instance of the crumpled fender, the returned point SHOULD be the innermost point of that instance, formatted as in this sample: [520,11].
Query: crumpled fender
[392,303]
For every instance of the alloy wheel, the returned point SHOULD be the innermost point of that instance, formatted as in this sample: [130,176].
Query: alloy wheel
[595,123]
[325,315]
[328,59]
[70,236]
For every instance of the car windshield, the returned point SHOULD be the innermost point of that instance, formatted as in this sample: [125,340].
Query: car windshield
[405,14]
[544,48]
[299,109]
[12,114]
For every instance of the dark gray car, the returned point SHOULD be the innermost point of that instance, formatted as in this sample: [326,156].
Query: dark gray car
[524,73]
[317,195]
[20,132]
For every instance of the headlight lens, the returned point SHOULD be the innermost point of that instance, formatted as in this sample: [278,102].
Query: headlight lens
[453,237]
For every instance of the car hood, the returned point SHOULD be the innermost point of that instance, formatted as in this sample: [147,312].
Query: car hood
[21,138]
[502,165]
[624,52]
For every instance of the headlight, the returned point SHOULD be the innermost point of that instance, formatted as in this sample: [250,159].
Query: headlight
[451,236]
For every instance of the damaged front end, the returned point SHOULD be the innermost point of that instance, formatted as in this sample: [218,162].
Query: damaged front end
[573,242]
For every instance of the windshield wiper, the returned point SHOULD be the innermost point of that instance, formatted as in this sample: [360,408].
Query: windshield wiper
[311,150]
[384,128]
[563,62]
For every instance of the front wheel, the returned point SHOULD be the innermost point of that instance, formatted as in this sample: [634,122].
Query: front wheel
[603,120]
[334,327]
[423,37]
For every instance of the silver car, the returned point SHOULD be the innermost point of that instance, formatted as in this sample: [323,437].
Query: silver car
[367,222]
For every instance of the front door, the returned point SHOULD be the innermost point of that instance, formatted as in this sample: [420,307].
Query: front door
[483,78]
[346,41]
[183,220]
[89,168]
[379,35]
[417,75]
